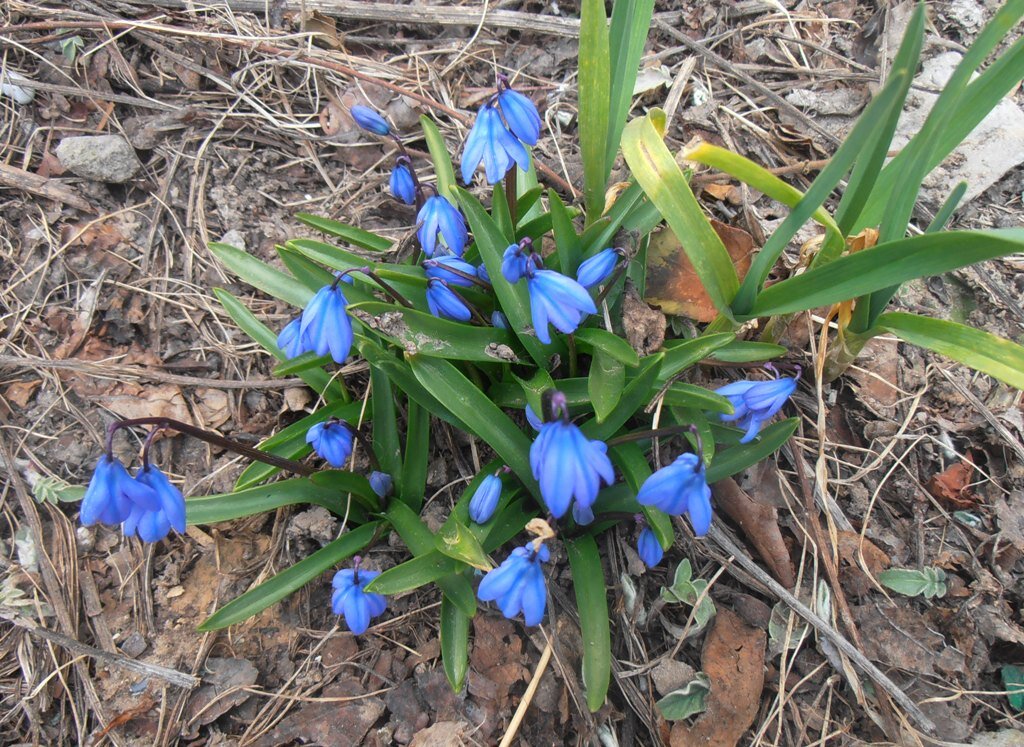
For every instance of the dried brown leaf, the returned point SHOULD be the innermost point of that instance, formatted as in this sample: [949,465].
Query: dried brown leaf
[952,487]
[760,524]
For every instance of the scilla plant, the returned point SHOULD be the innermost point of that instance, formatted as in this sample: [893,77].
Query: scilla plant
[501,326]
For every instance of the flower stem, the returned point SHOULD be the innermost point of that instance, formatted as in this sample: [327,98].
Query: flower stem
[209,437]
[391,292]
[619,272]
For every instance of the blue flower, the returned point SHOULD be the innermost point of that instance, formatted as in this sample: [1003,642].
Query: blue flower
[332,440]
[582,515]
[559,300]
[444,302]
[403,187]
[595,270]
[514,263]
[533,418]
[518,584]
[350,600]
[370,120]
[569,465]
[481,272]
[382,483]
[154,524]
[756,402]
[499,320]
[485,499]
[439,217]
[521,115]
[491,143]
[289,340]
[113,494]
[325,326]
[649,549]
[439,268]
[680,488]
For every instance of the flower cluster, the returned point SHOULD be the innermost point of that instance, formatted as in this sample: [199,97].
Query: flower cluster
[756,402]
[517,585]
[323,327]
[505,124]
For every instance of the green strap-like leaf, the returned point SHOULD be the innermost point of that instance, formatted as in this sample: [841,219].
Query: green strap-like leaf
[210,509]
[634,396]
[416,457]
[883,266]
[386,444]
[439,156]
[980,350]
[631,20]
[735,459]
[454,643]
[480,414]
[412,574]
[261,275]
[284,583]
[604,385]
[594,97]
[592,603]
[345,232]
[613,345]
[567,241]
[661,178]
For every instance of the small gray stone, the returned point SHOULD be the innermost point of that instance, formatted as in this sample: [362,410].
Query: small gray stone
[103,158]
[134,645]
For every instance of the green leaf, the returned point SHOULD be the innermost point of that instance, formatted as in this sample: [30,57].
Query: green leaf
[567,242]
[534,387]
[592,603]
[929,581]
[945,212]
[613,345]
[55,490]
[277,588]
[412,574]
[883,266]
[690,395]
[607,376]
[439,155]
[290,442]
[307,272]
[457,541]
[737,458]
[481,415]
[345,232]
[594,102]
[343,482]
[662,180]
[683,354]
[454,643]
[513,299]
[980,350]
[261,275]
[688,590]
[1013,681]
[741,351]
[386,445]
[634,396]
[631,20]
[210,509]
[501,214]
[687,701]
[417,451]
[418,333]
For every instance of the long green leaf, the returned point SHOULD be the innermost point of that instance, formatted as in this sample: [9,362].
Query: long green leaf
[211,509]
[480,414]
[980,350]
[419,333]
[261,275]
[284,583]
[604,385]
[412,574]
[884,266]
[567,241]
[735,459]
[592,603]
[454,643]
[664,183]
[631,20]
[345,232]
[594,102]
[386,445]
[417,453]
[439,155]
[634,396]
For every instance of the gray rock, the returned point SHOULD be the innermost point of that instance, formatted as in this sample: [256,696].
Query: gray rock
[103,158]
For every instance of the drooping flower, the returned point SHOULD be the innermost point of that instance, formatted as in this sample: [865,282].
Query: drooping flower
[152,525]
[514,262]
[439,218]
[521,115]
[485,499]
[680,488]
[113,494]
[325,326]
[370,120]
[596,270]
[756,402]
[533,418]
[332,441]
[648,548]
[351,600]
[289,340]
[581,514]
[381,483]
[499,320]
[490,142]
[567,464]
[517,585]
[481,272]
[441,267]
[557,299]
[403,187]
[444,302]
